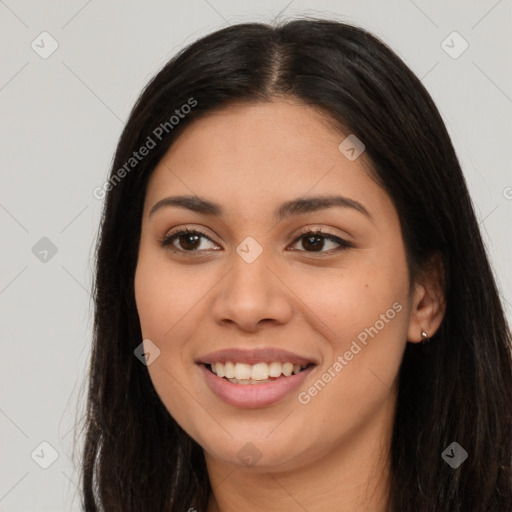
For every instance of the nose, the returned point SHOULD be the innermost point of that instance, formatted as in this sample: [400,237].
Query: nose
[251,296]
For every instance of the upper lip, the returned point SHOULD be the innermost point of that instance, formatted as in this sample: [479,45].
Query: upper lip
[254,356]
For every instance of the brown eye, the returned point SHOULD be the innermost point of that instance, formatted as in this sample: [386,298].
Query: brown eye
[188,241]
[314,241]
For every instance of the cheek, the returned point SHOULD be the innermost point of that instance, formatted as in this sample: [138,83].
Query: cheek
[344,302]
[368,314]
[362,314]
[163,297]
[150,298]
[167,303]
[162,315]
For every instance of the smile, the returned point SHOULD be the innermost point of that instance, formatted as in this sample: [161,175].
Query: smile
[243,373]
[239,393]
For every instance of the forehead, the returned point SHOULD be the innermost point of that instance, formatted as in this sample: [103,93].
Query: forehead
[251,156]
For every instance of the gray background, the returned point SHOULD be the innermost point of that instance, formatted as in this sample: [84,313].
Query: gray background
[61,119]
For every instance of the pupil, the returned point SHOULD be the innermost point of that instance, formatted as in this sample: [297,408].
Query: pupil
[189,237]
[316,246]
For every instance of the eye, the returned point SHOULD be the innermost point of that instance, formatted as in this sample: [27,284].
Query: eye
[315,240]
[190,240]
[312,241]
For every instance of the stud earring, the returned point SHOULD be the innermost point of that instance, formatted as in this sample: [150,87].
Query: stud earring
[425,337]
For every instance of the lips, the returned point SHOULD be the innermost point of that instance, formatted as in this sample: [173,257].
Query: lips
[245,394]
[253,396]
[255,356]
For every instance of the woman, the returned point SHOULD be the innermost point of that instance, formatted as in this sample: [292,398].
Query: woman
[294,307]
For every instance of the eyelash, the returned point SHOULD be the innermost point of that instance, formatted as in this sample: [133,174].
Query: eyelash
[167,240]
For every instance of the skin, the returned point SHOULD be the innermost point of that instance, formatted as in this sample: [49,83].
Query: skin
[333,452]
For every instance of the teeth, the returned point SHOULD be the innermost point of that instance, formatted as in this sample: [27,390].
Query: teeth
[275,369]
[251,374]
[229,368]
[259,371]
[287,369]
[219,369]
[242,370]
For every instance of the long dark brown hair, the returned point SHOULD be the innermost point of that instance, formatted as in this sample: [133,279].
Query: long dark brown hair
[458,388]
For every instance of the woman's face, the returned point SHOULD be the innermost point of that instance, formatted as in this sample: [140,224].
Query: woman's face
[255,295]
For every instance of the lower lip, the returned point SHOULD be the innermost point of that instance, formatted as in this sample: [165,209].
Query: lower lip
[253,395]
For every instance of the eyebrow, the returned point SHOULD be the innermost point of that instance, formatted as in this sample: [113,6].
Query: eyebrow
[289,208]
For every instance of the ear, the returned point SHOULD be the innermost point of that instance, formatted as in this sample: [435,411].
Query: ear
[428,300]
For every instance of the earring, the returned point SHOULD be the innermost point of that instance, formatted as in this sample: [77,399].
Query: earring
[425,337]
